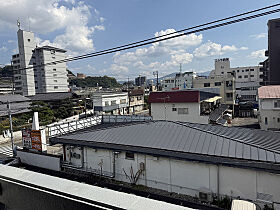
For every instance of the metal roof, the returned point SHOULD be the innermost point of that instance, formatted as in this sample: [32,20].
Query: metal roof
[184,140]
[218,113]
[16,108]
[12,98]
[272,91]
[50,96]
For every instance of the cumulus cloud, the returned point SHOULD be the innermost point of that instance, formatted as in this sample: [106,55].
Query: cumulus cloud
[71,22]
[212,49]
[258,54]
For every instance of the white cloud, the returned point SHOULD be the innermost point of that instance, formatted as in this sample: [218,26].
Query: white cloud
[3,49]
[213,49]
[72,23]
[259,36]
[258,54]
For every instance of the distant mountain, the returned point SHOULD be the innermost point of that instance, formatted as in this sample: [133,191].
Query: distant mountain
[206,73]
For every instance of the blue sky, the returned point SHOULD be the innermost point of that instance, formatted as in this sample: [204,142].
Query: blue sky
[87,26]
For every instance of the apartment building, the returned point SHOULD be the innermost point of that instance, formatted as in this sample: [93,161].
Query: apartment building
[31,76]
[179,82]
[269,107]
[110,102]
[247,79]
[226,85]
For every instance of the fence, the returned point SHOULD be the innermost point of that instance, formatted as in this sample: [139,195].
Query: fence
[68,127]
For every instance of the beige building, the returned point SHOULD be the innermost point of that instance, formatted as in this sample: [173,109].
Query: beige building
[226,84]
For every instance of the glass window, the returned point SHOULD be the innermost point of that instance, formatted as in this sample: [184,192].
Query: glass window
[265,120]
[129,155]
[174,109]
[183,110]
[218,83]
[206,84]
[277,104]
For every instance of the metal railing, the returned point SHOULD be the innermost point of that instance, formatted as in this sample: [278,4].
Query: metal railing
[69,127]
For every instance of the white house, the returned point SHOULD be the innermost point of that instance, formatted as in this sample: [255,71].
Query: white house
[110,102]
[194,159]
[269,107]
[184,106]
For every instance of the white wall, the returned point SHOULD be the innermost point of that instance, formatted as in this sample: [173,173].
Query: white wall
[267,110]
[163,111]
[187,177]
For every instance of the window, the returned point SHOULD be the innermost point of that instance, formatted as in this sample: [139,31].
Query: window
[123,101]
[106,103]
[183,110]
[55,80]
[251,69]
[243,70]
[55,87]
[139,98]
[245,76]
[114,102]
[54,75]
[129,155]
[222,72]
[237,70]
[277,104]
[28,40]
[251,75]
[206,84]
[218,83]
[247,70]
[240,77]
[265,120]
[54,69]
[278,120]
[174,109]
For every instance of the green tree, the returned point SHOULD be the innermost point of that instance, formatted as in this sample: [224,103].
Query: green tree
[45,113]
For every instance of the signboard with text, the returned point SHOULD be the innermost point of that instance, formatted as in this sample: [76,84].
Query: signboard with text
[26,138]
[36,140]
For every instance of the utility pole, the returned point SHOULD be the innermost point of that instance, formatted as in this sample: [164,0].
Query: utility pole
[155,73]
[13,79]
[11,126]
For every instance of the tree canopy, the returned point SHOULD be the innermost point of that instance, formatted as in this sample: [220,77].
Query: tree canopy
[105,81]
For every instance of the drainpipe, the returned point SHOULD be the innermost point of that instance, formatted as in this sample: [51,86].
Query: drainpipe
[218,181]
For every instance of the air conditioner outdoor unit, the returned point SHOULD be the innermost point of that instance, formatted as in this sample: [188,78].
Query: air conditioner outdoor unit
[205,196]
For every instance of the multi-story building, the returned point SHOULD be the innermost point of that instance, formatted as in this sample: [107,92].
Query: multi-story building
[81,76]
[110,102]
[140,81]
[226,85]
[31,75]
[247,79]
[179,82]
[269,107]
[136,100]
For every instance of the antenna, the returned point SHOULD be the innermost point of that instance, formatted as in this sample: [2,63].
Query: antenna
[28,23]
[18,23]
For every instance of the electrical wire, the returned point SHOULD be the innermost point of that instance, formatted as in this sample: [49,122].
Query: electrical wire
[130,46]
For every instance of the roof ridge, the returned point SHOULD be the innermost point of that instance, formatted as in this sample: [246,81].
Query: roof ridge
[223,136]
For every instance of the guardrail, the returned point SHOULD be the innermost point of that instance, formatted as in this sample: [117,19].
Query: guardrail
[68,127]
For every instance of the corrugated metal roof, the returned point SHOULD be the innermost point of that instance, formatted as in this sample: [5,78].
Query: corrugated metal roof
[183,138]
[50,96]
[217,113]
[272,91]
[16,108]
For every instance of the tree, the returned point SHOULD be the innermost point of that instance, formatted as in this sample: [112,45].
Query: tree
[46,115]
[105,81]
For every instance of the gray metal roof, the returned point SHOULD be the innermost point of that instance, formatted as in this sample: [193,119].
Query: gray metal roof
[185,140]
[217,113]
[16,108]
[12,98]
[50,96]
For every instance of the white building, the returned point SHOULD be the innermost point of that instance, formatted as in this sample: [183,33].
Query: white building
[269,107]
[203,161]
[179,82]
[183,106]
[110,102]
[43,78]
[247,79]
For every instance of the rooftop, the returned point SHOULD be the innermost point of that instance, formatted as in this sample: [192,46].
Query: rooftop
[272,91]
[12,98]
[182,96]
[207,143]
[51,48]
[50,96]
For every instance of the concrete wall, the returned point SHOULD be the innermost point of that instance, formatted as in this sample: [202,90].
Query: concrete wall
[185,177]
[163,111]
[43,161]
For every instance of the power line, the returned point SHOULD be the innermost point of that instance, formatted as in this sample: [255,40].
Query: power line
[148,41]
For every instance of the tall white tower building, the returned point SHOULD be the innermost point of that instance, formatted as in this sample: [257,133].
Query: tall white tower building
[38,79]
